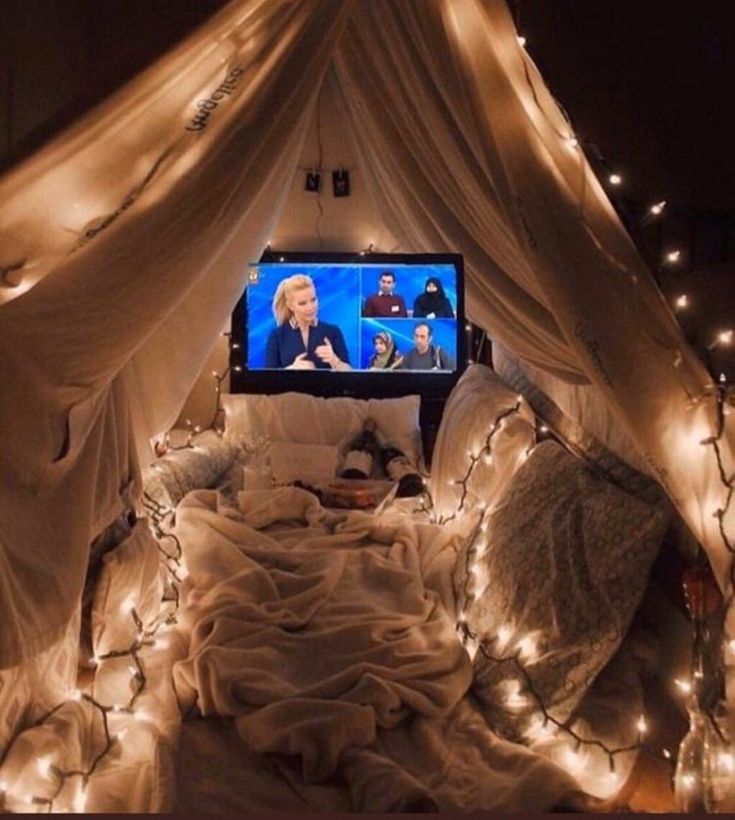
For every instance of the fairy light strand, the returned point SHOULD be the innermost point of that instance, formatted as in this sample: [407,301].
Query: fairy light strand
[145,639]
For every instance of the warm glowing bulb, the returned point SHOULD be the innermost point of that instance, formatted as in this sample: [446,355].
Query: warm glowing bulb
[539,729]
[685,686]
[43,764]
[641,725]
[682,301]
[504,635]
[673,256]
[527,648]
[514,699]
[128,605]
[615,179]
[521,40]
[80,801]
[658,207]
[725,337]
[573,761]
[544,428]
[667,754]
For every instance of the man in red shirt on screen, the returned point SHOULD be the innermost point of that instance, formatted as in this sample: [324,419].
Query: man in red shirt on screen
[385,303]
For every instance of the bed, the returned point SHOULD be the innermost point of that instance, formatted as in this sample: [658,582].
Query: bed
[471,649]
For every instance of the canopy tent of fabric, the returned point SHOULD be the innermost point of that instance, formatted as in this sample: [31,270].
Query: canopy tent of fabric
[123,245]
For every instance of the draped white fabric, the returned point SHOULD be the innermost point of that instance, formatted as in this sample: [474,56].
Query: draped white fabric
[147,213]
[465,149]
[137,226]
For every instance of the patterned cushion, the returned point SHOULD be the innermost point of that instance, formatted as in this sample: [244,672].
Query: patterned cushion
[478,399]
[178,472]
[565,568]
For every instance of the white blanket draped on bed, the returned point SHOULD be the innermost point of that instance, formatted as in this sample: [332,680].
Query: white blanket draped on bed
[317,630]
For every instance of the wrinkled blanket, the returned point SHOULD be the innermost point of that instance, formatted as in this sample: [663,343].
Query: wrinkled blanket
[317,631]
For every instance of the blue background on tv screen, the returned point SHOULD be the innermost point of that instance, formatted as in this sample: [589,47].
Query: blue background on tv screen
[341,289]
[443,333]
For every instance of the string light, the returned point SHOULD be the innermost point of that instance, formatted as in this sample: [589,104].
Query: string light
[615,179]
[681,302]
[658,208]
[672,257]
[521,40]
[167,616]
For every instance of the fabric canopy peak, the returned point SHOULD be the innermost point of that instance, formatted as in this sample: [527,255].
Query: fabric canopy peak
[114,301]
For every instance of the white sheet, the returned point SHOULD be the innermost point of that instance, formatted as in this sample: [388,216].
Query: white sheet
[328,637]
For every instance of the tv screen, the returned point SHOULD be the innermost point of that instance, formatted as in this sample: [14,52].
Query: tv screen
[351,324]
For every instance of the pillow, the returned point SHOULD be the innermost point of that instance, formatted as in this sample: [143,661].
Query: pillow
[565,567]
[177,472]
[305,419]
[474,404]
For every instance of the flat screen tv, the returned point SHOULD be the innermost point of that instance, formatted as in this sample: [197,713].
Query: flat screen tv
[350,324]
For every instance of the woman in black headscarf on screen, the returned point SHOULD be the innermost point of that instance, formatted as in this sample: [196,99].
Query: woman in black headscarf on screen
[433,302]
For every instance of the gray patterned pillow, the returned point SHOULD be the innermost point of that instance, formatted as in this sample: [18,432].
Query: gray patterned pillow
[566,565]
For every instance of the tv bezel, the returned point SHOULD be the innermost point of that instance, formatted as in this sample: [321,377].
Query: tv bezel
[353,383]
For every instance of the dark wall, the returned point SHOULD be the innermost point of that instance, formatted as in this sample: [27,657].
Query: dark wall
[58,58]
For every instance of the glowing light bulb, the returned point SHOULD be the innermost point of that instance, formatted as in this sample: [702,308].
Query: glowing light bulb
[504,635]
[658,207]
[641,725]
[615,179]
[673,256]
[281,258]
[543,428]
[573,761]
[725,338]
[43,764]
[521,40]
[236,346]
[682,301]
[80,801]
[468,327]
[684,686]
[128,605]
[667,754]
[527,647]
[539,729]
[514,699]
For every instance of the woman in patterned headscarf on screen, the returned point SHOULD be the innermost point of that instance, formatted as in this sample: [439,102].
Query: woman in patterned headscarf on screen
[386,356]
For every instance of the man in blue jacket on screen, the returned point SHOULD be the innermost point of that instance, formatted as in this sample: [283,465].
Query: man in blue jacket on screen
[425,355]
[385,304]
